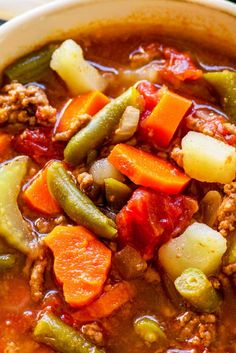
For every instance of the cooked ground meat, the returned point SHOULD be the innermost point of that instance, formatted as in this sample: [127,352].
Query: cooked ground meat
[200,330]
[93,333]
[81,120]
[177,155]
[230,269]
[25,104]
[37,279]
[85,181]
[226,215]
[212,124]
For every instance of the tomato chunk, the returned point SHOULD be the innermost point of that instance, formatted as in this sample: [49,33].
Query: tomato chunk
[151,218]
[37,144]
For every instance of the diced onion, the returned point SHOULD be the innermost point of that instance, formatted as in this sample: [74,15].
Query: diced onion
[103,169]
[128,125]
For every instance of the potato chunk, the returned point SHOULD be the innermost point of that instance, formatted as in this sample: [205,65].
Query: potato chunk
[80,77]
[199,246]
[207,159]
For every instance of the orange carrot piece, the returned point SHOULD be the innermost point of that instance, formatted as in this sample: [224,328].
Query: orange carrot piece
[147,170]
[81,263]
[165,118]
[108,302]
[38,196]
[5,141]
[89,103]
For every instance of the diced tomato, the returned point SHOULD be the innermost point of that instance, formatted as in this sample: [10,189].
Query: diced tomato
[179,66]
[37,144]
[151,218]
[150,95]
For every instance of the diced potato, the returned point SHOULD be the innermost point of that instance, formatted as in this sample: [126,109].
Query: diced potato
[199,246]
[102,169]
[207,159]
[80,77]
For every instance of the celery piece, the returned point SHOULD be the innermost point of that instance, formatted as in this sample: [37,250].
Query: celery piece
[225,84]
[61,337]
[99,128]
[32,66]
[117,193]
[13,228]
[194,286]
[149,329]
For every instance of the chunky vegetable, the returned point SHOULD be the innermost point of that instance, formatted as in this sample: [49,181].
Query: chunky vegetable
[7,261]
[81,263]
[61,337]
[70,119]
[117,193]
[149,329]
[128,125]
[147,170]
[76,204]
[81,77]
[12,225]
[225,84]
[100,127]
[199,247]
[37,195]
[165,118]
[130,263]
[102,169]
[31,67]
[209,207]
[151,219]
[207,159]
[194,286]
[107,303]
[5,141]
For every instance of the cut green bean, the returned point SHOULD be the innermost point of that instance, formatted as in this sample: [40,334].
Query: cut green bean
[7,262]
[194,286]
[13,228]
[55,333]
[76,204]
[31,67]
[149,329]
[99,128]
[225,84]
[117,193]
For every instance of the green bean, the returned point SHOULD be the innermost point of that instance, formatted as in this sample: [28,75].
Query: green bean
[61,337]
[76,204]
[7,261]
[13,228]
[194,286]
[31,67]
[117,193]
[99,128]
[225,84]
[149,329]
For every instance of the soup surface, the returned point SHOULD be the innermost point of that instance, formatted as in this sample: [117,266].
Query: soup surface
[118,198]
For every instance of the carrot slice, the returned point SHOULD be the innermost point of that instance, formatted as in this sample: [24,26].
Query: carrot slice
[147,170]
[89,103]
[38,196]
[81,263]
[165,118]
[108,302]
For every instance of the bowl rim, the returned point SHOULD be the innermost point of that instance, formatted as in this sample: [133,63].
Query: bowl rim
[58,6]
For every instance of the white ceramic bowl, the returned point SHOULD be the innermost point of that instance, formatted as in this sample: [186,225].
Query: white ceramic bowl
[211,21]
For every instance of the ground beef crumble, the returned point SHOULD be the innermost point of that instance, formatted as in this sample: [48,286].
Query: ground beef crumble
[25,104]
[226,215]
[93,333]
[199,330]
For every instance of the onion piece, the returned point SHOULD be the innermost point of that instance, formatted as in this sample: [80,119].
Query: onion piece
[103,169]
[128,125]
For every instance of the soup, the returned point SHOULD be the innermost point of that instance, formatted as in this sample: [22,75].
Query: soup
[118,198]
